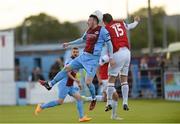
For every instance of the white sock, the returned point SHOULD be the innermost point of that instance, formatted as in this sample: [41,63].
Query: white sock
[125,90]
[114,108]
[109,92]
[86,98]
[99,98]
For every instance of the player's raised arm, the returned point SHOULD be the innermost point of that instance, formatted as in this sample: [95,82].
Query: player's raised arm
[107,39]
[132,25]
[77,41]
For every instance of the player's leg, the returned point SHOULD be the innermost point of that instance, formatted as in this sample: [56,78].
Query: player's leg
[79,104]
[90,63]
[124,79]
[98,97]
[104,96]
[91,87]
[50,104]
[75,64]
[59,76]
[114,104]
[110,91]
[104,88]
[113,73]
[114,115]
[125,91]
[63,91]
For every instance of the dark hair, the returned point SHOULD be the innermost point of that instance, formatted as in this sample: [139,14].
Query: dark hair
[75,48]
[95,17]
[107,18]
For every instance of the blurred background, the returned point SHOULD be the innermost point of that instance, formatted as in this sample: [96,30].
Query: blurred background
[31,33]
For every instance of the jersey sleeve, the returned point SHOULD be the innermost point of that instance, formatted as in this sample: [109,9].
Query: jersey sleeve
[105,34]
[106,37]
[131,25]
[110,48]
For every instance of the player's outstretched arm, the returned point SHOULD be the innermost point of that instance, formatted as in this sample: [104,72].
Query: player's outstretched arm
[132,25]
[77,41]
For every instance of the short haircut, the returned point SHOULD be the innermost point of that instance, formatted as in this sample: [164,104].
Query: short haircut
[75,48]
[95,17]
[107,18]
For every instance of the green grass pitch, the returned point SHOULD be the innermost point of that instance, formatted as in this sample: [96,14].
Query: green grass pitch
[141,111]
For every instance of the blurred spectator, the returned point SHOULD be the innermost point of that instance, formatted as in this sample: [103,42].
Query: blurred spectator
[144,76]
[24,73]
[144,68]
[159,75]
[17,73]
[17,70]
[55,68]
[36,75]
[161,63]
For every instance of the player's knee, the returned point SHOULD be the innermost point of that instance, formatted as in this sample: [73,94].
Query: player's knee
[77,97]
[89,80]
[123,78]
[60,101]
[112,79]
[124,83]
[104,96]
[115,97]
